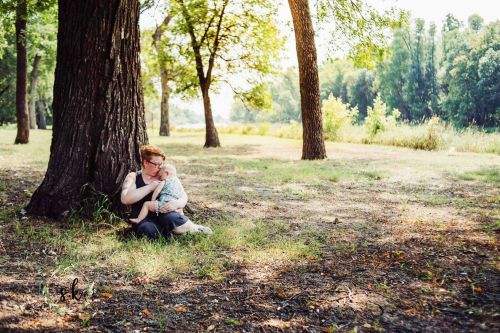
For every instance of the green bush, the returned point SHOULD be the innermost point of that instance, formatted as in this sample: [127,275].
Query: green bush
[263,129]
[336,116]
[431,135]
[427,136]
[433,138]
[377,120]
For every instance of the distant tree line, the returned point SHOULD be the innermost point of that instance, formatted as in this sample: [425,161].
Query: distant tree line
[455,76]
[41,34]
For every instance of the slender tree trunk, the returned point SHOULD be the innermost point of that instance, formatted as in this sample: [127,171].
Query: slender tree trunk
[98,104]
[165,95]
[313,146]
[23,129]
[211,135]
[164,73]
[34,82]
[40,111]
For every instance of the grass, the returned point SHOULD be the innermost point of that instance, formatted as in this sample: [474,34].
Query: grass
[421,136]
[272,172]
[33,155]
[236,242]
[489,175]
[232,174]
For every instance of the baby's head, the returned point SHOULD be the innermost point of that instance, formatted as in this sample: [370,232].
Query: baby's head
[167,171]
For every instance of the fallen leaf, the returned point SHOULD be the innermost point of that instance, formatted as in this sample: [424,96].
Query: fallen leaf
[181,309]
[107,295]
[210,328]
[411,312]
[83,316]
[147,313]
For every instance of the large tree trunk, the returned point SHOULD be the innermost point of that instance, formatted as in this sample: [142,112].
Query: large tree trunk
[34,82]
[23,129]
[98,104]
[165,95]
[40,112]
[313,146]
[211,135]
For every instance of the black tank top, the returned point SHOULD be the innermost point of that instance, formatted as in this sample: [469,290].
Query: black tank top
[136,207]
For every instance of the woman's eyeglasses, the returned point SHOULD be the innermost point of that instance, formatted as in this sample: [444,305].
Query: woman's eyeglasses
[157,165]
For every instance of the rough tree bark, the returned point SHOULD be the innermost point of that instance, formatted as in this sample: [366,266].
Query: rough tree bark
[40,113]
[23,129]
[313,146]
[211,135]
[164,73]
[34,82]
[98,108]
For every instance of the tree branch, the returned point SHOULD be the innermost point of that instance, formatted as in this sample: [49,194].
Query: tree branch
[216,42]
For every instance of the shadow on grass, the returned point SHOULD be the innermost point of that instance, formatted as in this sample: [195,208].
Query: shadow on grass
[440,281]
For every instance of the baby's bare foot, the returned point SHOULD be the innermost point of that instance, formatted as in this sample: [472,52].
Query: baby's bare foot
[135,221]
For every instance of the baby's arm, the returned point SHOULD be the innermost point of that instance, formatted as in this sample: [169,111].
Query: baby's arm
[157,191]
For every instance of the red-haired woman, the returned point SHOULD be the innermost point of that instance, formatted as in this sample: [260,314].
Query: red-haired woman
[138,188]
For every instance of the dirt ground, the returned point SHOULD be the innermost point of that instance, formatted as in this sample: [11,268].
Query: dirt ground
[392,261]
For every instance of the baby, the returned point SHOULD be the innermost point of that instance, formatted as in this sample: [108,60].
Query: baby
[169,188]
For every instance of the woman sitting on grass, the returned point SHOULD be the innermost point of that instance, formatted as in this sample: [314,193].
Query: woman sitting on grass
[170,188]
[138,188]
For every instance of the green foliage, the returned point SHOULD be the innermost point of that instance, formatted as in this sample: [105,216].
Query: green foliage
[41,40]
[471,63]
[408,79]
[8,82]
[362,92]
[392,74]
[241,113]
[378,120]
[415,92]
[258,97]
[336,77]
[233,38]
[362,27]
[336,115]
[285,93]
[428,136]
[95,206]
[434,135]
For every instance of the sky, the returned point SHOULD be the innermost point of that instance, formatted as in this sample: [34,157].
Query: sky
[429,10]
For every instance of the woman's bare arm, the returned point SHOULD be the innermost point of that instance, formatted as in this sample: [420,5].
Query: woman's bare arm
[131,194]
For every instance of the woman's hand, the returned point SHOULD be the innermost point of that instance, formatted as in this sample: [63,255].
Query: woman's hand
[171,205]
